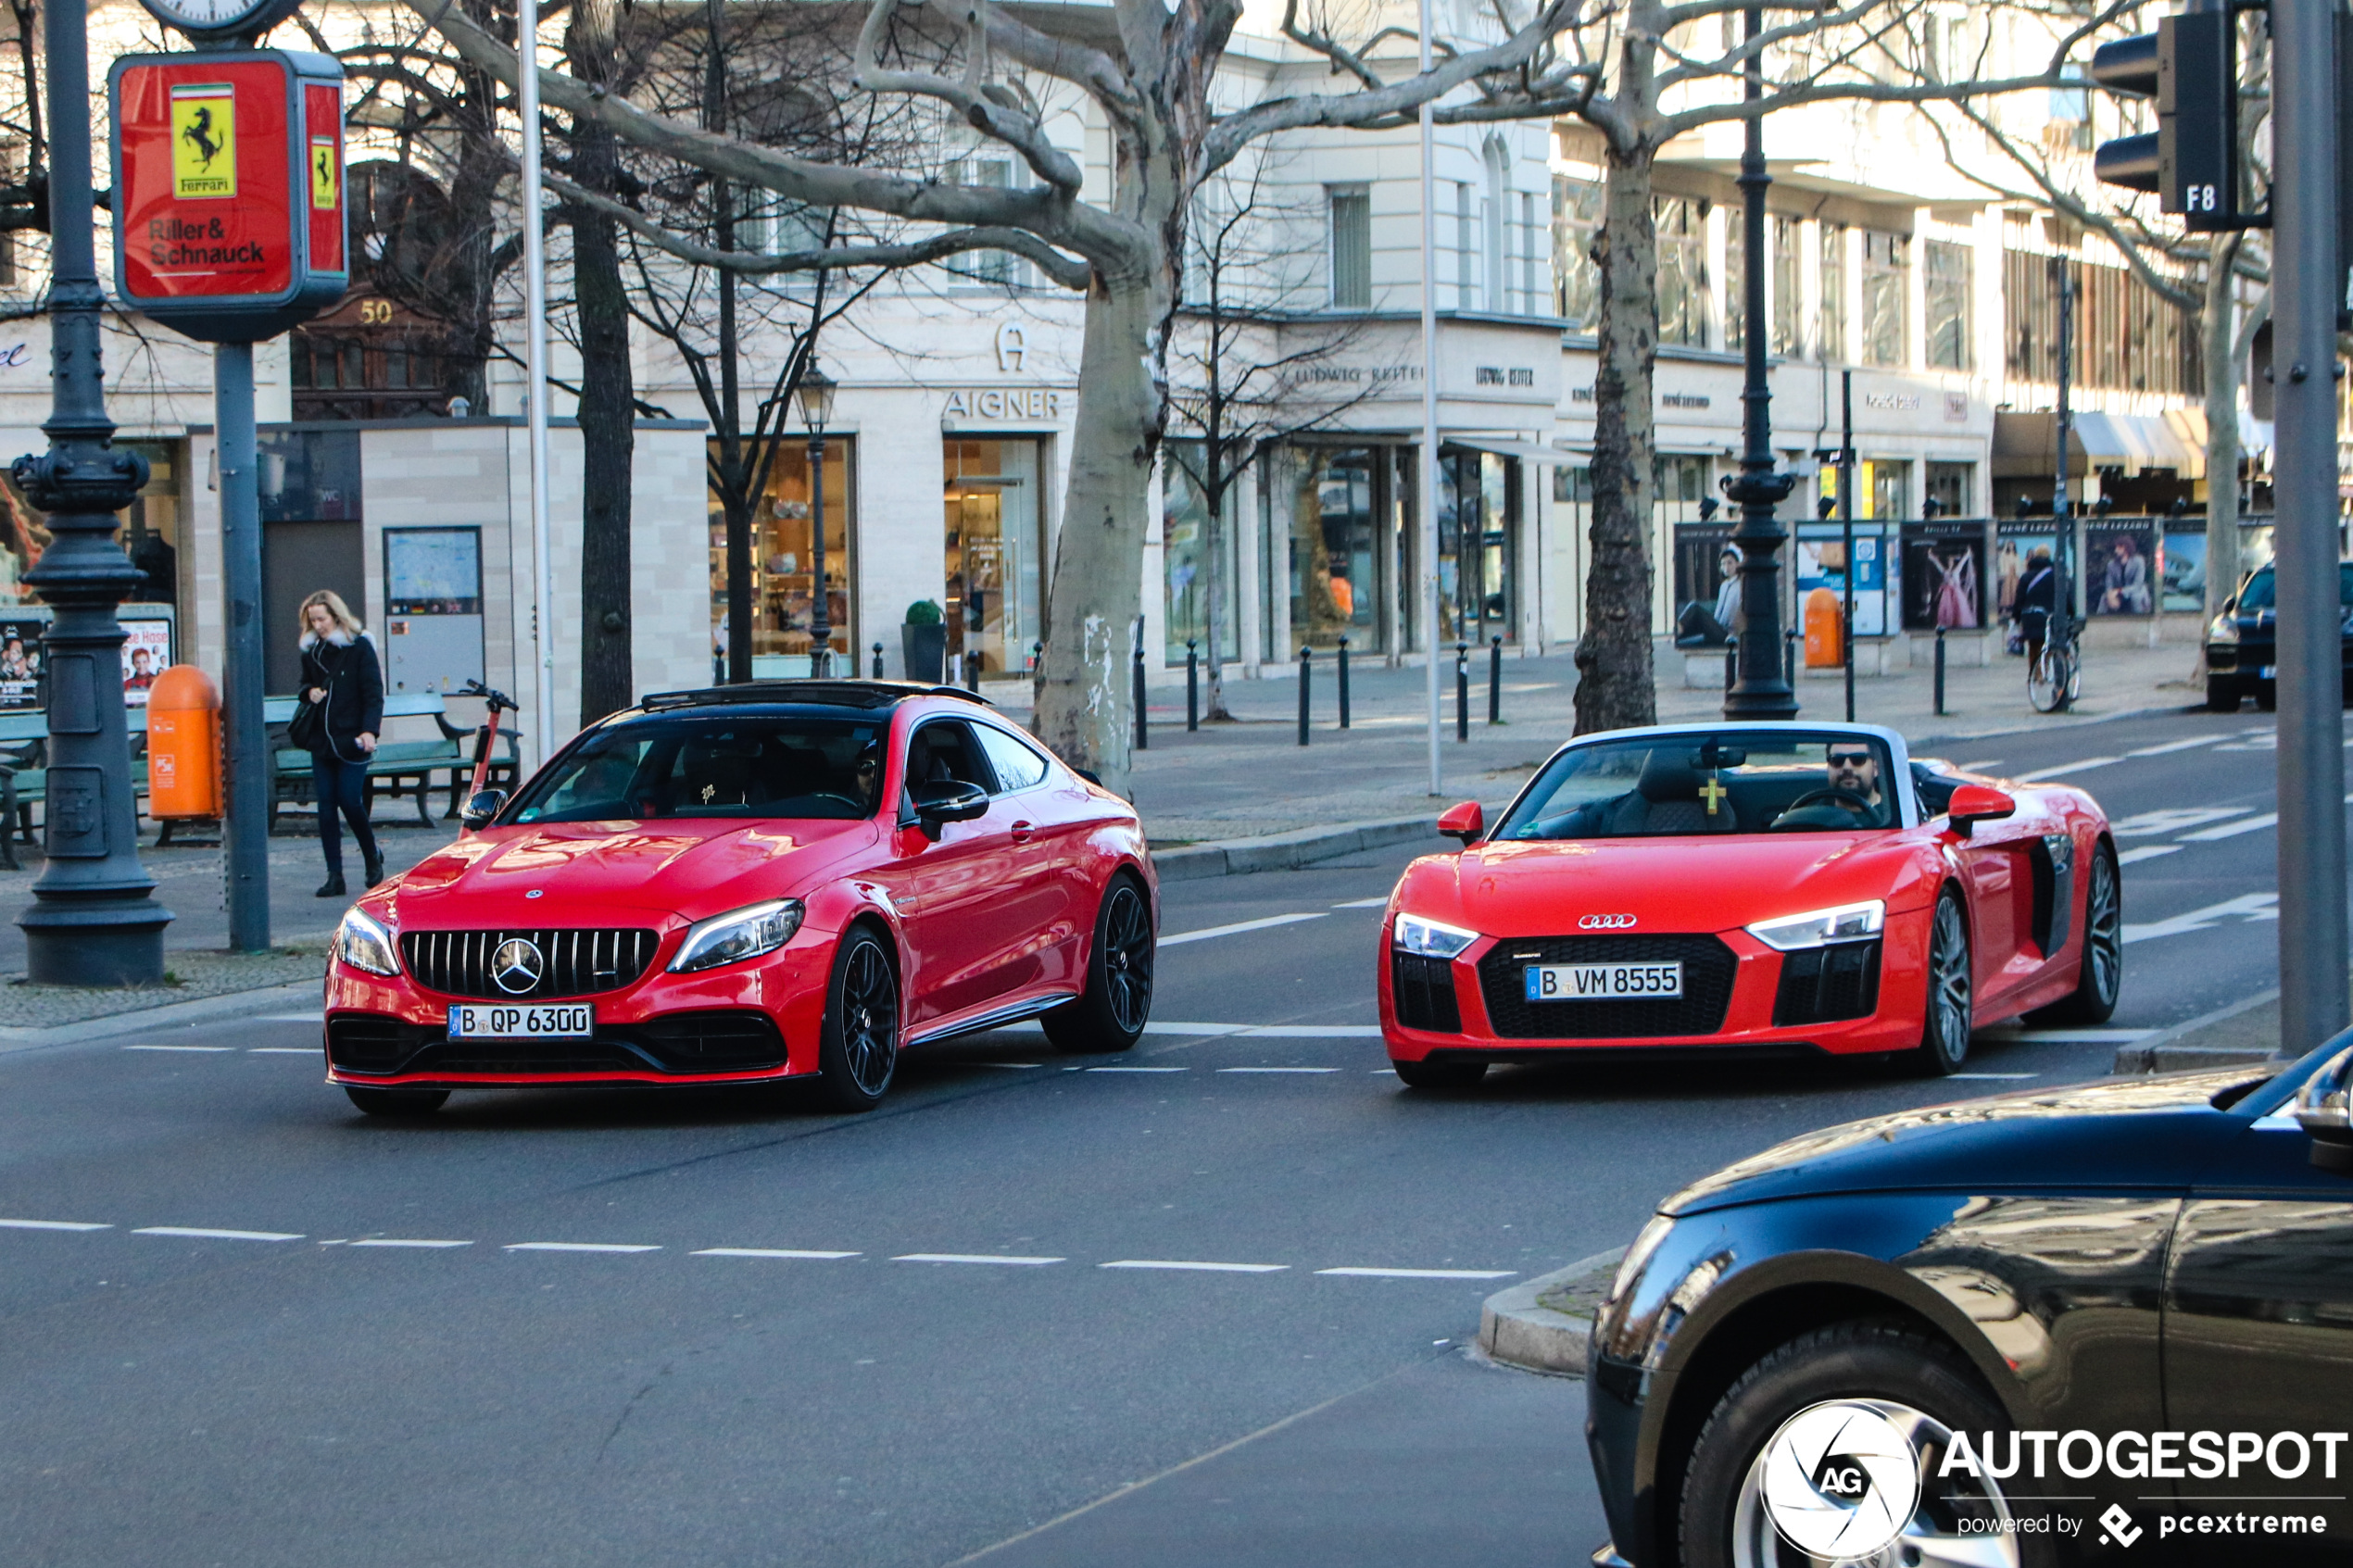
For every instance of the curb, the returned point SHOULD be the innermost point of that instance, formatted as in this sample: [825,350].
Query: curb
[1546,1324]
[2163,1052]
[1286,851]
[196,1010]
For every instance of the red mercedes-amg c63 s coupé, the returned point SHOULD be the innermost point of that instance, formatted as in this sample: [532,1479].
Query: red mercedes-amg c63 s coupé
[750,883]
[1754,888]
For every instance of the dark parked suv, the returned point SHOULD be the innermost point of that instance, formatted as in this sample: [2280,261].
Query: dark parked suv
[2240,660]
[2030,1329]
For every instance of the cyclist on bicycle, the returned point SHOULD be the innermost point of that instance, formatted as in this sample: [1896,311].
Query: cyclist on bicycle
[2037,601]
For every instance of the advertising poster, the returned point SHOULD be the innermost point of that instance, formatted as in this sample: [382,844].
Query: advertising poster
[2185,578]
[2121,569]
[146,653]
[20,640]
[1944,579]
[1821,563]
[1703,610]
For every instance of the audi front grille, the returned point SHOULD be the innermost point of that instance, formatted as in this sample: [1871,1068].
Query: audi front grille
[573,963]
[1708,967]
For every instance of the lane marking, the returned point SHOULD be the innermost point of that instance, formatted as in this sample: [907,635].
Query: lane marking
[973,1257]
[1422,1274]
[1313,1031]
[1194,1028]
[203,1050]
[1278,1070]
[765,1252]
[2069,1037]
[49,1225]
[1980,765]
[2148,852]
[2231,829]
[1007,1066]
[1240,926]
[575,1247]
[1135,1070]
[292,1018]
[2085,766]
[281,1050]
[2173,746]
[2172,819]
[194,1233]
[398,1241]
[1994,1076]
[1196,1268]
[1379,903]
[2247,907]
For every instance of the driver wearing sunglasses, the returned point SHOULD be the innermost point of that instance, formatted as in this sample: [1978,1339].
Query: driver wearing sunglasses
[1854,768]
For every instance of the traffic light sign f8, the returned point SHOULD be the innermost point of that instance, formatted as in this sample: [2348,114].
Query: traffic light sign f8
[2190,66]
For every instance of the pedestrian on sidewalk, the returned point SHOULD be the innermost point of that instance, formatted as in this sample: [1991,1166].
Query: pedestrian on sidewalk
[341,713]
[2037,601]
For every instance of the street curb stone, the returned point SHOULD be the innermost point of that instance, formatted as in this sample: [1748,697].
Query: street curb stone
[2169,1050]
[197,1009]
[1286,851]
[1545,1323]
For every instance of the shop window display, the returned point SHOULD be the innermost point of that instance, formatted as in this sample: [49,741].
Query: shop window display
[784,588]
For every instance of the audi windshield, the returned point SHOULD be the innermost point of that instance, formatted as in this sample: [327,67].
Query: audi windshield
[1692,785]
[713,765]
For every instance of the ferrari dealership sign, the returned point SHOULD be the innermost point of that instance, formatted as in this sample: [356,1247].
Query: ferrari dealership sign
[229,190]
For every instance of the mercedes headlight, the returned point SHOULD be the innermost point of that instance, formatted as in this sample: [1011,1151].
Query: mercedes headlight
[1815,927]
[737,935]
[364,945]
[2223,628]
[1429,938]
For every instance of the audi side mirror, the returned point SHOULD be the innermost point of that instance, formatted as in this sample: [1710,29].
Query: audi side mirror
[1464,821]
[2324,1110]
[481,805]
[1973,804]
[942,801]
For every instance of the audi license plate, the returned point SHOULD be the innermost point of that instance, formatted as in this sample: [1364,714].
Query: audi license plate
[562,1020]
[1602,982]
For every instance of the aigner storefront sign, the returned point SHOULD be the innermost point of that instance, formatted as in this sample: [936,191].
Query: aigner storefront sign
[1005,403]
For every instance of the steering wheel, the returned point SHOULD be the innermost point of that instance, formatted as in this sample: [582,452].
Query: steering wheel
[1831,795]
[829,794]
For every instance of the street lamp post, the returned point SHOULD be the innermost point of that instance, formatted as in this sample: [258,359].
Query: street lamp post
[92,922]
[816,395]
[1760,692]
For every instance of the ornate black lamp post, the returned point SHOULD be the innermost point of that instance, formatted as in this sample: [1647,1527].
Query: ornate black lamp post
[92,922]
[1759,692]
[816,395]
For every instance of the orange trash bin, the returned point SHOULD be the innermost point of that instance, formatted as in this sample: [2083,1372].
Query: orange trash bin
[183,744]
[1823,649]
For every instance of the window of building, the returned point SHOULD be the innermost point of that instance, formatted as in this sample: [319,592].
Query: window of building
[2127,339]
[1735,281]
[1683,272]
[1188,555]
[1576,279]
[1788,288]
[995,268]
[2070,119]
[1531,252]
[784,582]
[1947,287]
[1337,546]
[1953,486]
[1465,249]
[994,544]
[1832,314]
[1351,220]
[1478,510]
[1497,212]
[1886,314]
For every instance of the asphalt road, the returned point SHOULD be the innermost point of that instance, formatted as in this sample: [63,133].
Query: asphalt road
[725,1328]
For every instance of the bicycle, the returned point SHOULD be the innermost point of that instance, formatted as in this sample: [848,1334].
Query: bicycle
[2055,677]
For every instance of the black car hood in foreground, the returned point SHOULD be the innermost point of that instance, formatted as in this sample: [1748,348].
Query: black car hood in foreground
[2120,1134]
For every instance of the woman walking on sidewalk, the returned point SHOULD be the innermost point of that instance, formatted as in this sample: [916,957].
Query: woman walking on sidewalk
[341,711]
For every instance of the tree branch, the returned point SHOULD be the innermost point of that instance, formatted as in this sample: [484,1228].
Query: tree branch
[969,97]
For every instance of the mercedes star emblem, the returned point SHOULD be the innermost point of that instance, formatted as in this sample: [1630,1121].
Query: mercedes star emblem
[516,966]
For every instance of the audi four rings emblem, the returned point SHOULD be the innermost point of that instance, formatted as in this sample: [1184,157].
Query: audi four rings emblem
[516,966]
[1606,922]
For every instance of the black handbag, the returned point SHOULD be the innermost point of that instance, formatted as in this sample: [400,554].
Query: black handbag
[307,728]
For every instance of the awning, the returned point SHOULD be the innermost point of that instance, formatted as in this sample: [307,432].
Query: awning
[1528,451]
[2026,444]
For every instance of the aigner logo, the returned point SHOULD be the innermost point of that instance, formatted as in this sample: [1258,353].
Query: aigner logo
[1606,922]
[516,966]
[1841,1480]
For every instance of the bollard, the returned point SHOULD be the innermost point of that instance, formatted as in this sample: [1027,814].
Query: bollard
[1462,691]
[1304,655]
[1143,731]
[1940,671]
[1731,665]
[1495,680]
[1789,658]
[1192,686]
[878,661]
[972,673]
[1343,682]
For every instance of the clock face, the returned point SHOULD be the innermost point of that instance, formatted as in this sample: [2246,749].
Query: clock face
[216,17]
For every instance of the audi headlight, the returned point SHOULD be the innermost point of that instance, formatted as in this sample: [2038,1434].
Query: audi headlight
[364,945]
[2223,628]
[1429,938]
[737,935]
[1816,927]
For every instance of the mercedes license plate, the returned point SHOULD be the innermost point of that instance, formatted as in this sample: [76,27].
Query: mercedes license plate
[493,1021]
[1602,982]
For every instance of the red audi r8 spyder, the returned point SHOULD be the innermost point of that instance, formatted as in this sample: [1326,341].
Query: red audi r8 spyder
[1774,888]
[747,884]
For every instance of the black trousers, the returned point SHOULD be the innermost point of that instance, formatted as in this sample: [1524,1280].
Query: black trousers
[340,786]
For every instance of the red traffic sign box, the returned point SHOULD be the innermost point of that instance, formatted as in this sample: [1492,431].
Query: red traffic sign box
[229,190]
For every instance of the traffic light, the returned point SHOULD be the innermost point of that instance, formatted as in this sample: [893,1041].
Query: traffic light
[2190,66]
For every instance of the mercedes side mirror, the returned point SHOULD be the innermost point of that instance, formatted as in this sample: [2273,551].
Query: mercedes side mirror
[1464,821]
[481,807]
[942,801]
[1973,804]
[2324,1110]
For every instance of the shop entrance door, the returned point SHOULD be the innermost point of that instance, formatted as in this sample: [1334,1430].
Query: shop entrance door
[1479,510]
[995,552]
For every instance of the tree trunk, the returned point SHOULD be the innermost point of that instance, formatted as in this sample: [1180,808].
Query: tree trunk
[607,393]
[1615,685]
[2218,328]
[1083,708]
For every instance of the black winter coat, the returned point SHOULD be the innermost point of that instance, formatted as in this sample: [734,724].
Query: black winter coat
[354,682]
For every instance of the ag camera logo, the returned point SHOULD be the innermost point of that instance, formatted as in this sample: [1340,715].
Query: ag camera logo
[1841,1480]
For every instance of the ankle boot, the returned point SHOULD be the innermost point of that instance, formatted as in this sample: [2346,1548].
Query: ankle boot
[332,887]
[375,870]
